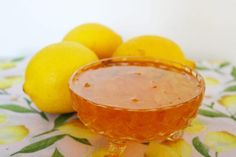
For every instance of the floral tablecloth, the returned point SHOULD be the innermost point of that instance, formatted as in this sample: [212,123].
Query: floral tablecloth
[26,131]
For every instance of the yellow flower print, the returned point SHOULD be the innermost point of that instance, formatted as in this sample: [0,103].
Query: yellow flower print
[179,148]
[2,118]
[12,134]
[195,127]
[210,81]
[77,129]
[220,141]
[229,102]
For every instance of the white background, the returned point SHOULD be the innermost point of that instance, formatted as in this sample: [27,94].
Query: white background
[205,29]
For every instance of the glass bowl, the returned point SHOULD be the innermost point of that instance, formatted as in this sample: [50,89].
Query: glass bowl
[120,125]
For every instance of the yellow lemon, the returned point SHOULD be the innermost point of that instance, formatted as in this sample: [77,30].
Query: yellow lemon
[48,72]
[101,39]
[153,46]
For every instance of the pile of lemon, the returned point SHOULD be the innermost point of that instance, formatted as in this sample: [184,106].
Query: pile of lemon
[48,72]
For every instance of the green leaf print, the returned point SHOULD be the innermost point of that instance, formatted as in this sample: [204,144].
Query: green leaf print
[200,147]
[21,109]
[18,59]
[202,68]
[224,64]
[43,115]
[233,73]
[40,145]
[57,153]
[44,133]
[60,120]
[212,114]
[217,69]
[16,108]
[29,103]
[81,140]
[230,89]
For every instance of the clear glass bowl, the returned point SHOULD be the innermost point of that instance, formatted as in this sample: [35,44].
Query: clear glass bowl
[142,125]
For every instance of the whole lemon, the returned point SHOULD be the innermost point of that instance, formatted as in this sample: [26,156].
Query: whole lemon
[101,39]
[48,72]
[155,47]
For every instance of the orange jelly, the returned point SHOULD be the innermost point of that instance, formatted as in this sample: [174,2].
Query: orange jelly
[137,100]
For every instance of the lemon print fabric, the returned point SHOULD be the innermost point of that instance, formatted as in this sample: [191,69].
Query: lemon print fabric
[100,152]
[229,102]
[10,64]
[211,81]
[160,150]
[12,134]
[99,38]
[7,65]
[196,126]
[8,81]
[48,73]
[26,130]
[76,129]
[179,148]
[220,141]
[155,47]
[3,118]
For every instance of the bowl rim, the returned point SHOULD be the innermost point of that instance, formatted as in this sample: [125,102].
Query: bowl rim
[152,60]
